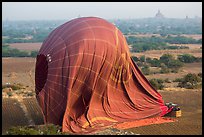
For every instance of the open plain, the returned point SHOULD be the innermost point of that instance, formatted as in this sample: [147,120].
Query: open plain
[25,110]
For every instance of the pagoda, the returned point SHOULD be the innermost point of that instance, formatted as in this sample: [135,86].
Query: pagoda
[159,15]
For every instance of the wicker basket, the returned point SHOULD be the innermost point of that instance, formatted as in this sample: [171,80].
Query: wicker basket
[175,113]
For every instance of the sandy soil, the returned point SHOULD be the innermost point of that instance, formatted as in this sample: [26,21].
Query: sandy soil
[18,70]
[190,123]
[188,68]
[194,36]
[158,53]
[191,46]
[143,35]
[26,46]
[21,70]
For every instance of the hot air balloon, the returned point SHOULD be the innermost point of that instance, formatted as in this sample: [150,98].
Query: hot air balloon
[85,78]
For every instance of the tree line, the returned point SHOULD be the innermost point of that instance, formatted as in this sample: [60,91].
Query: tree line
[169,39]
[12,52]
[189,81]
[167,62]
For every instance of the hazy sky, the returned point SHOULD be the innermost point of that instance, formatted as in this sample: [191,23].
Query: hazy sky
[107,10]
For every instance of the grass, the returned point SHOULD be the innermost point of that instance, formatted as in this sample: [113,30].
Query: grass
[49,129]
[13,86]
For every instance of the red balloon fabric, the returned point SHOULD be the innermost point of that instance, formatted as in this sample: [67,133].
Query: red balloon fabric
[86,80]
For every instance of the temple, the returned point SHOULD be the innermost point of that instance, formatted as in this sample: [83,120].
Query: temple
[159,15]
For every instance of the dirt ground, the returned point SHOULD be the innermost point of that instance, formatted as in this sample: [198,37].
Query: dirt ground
[194,36]
[21,70]
[187,68]
[18,70]
[158,53]
[26,46]
[190,123]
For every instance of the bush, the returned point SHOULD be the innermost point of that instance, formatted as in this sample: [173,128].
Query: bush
[10,93]
[30,94]
[178,80]
[12,52]
[9,52]
[164,69]
[36,130]
[146,70]
[167,80]
[154,62]
[175,65]
[198,59]
[183,47]
[169,64]
[148,59]
[165,58]
[157,83]
[174,70]
[140,64]
[186,58]
[142,58]
[200,74]
[16,87]
[135,58]
[13,86]
[33,53]
[190,81]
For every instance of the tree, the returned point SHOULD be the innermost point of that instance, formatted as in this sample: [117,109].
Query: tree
[170,63]
[142,58]
[146,70]
[190,81]
[157,83]
[154,62]
[200,74]
[33,53]
[175,64]
[135,58]
[165,58]
[148,59]
[186,58]
[164,69]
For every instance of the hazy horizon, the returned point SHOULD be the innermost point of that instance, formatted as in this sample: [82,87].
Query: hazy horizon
[14,11]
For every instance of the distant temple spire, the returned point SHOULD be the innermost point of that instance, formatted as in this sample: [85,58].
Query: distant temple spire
[159,15]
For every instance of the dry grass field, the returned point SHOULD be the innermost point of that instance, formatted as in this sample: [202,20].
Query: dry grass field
[188,68]
[18,70]
[190,123]
[22,70]
[26,46]
[158,53]
[193,36]
[143,35]
[194,49]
